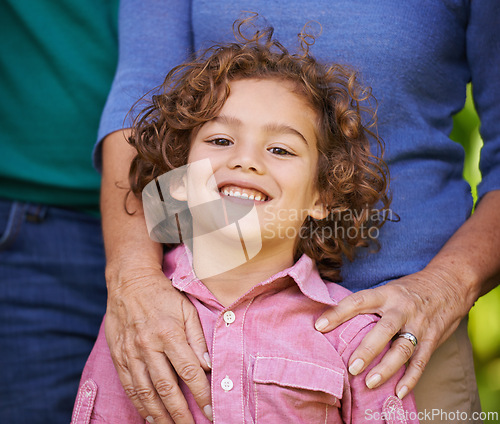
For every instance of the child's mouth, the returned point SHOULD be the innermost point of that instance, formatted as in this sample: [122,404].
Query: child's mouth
[243,193]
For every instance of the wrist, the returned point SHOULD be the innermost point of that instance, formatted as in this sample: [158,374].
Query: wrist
[461,279]
[126,269]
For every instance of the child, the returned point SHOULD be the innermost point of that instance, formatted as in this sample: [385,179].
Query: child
[280,185]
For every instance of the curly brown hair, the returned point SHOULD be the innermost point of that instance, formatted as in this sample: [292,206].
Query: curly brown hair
[352,181]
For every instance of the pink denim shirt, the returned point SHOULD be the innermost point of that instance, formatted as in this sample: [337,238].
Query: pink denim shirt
[269,364]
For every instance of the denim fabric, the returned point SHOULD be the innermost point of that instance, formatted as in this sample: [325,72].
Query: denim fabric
[52,299]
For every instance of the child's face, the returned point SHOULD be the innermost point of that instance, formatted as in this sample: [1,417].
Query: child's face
[262,149]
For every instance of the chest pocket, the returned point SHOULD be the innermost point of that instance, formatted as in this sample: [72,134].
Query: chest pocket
[303,392]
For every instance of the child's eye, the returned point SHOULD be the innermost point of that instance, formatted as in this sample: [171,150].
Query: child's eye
[280,151]
[220,141]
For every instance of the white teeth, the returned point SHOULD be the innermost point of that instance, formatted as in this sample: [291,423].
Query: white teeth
[242,195]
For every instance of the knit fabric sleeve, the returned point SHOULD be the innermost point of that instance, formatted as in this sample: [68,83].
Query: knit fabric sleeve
[483,53]
[154,36]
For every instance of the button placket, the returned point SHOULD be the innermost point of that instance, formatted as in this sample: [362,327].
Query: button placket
[227,364]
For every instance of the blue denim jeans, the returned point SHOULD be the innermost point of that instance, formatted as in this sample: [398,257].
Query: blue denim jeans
[52,300]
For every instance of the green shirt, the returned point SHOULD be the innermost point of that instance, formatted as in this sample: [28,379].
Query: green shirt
[57,61]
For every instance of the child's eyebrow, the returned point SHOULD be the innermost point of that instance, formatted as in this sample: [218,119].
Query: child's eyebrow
[272,127]
[230,121]
[283,129]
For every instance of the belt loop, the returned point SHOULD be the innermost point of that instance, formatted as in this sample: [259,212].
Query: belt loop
[16,217]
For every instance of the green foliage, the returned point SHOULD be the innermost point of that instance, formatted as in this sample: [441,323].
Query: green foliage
[484,319]
[466,132]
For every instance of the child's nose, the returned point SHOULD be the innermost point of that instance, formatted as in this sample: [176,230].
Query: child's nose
[247,158]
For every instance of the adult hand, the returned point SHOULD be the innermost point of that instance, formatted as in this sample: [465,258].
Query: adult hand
[429,304]
[154,334]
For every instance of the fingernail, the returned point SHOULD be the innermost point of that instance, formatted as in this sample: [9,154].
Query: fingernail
[206,357]
[373,381]
[402,392]
[356,366]
[150,420]
[207,409]
[321,324]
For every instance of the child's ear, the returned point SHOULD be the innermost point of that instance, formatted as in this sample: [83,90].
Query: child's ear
[319,210]
[178,189]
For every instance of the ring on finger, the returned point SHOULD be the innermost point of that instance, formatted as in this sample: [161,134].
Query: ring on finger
[409,336]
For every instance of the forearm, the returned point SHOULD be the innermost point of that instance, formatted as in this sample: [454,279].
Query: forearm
[128,246]
[472,255]
[152,330]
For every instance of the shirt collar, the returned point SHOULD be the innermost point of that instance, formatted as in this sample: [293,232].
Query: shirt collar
[178,266]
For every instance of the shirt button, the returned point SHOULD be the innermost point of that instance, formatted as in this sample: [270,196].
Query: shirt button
[229,317]
[227,384]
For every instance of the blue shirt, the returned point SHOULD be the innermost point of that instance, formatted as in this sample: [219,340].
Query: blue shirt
[417,56]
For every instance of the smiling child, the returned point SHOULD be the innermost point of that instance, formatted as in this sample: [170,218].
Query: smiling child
[280,137]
